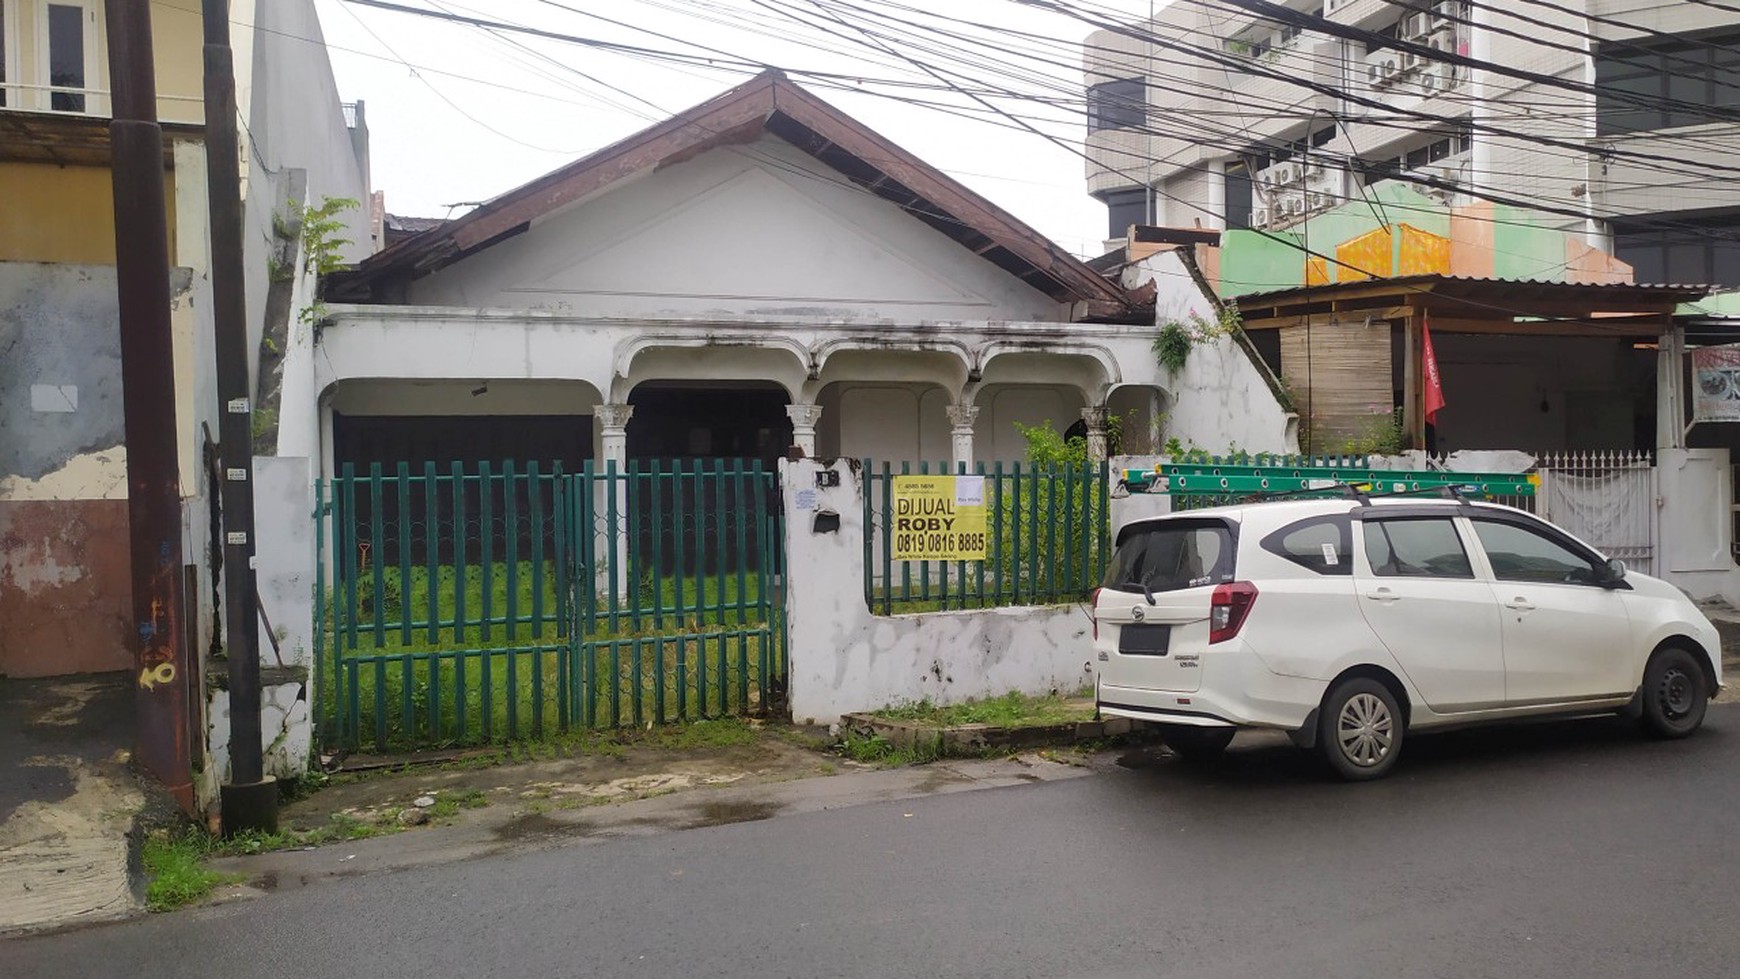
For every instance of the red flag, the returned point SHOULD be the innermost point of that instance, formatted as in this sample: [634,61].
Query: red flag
[1434,386]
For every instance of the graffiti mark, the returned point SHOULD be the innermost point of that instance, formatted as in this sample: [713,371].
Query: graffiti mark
[147,631]
[163,558]
[151,676]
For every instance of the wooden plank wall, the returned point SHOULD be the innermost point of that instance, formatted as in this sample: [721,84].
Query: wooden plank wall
[1340,376]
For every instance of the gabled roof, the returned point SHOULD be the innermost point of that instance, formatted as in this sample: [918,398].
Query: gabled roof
[768,103]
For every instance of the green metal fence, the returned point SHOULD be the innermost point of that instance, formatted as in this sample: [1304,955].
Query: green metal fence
[1047,541]
[505,601]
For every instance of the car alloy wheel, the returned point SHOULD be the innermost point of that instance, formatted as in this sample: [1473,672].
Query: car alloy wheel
[1365,730]
[1360,728]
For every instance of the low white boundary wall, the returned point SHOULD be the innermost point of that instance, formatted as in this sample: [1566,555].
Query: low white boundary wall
[845,659]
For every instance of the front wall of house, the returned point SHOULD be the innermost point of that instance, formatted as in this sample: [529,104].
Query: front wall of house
[757,230]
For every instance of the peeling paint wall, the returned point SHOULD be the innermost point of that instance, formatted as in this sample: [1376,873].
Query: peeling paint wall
[65,589]
[845,659]
[60,370]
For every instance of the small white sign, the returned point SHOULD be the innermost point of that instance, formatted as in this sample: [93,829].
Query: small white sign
[236,537]
[238,406]
[806,499]
[1329,556]
[238,475]
[969,491]
[54,398]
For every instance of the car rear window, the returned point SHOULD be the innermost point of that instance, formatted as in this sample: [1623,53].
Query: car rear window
[1318,543]
[1173,554]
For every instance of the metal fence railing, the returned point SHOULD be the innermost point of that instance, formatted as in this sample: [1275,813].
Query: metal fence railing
[460,604]
[1046,539]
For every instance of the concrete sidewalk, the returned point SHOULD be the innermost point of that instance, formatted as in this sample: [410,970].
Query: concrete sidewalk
[500,829]
[67,801]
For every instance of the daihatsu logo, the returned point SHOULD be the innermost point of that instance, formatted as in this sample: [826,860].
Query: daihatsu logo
[1137,613]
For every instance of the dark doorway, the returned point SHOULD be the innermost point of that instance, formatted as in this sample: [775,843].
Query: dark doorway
[721,422]
[470,439]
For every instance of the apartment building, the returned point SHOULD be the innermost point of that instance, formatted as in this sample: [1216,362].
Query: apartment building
[1614,120]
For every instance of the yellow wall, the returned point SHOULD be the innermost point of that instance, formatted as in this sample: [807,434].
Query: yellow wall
[177,45]
[63,214]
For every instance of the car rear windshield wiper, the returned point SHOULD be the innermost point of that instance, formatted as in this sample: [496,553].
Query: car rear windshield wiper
[1147,592]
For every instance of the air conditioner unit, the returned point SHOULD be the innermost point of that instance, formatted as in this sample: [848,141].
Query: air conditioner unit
[1412,59]
[1443,10]
[1318,201]
[1428,82]
[1376,74]
[1415,25]
[1259,217]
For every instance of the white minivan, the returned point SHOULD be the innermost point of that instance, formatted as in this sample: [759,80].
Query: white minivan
[1352,623]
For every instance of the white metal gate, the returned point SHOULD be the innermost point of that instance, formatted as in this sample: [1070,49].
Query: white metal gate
[1606,498]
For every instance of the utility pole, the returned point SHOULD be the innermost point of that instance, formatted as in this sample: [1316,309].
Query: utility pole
[162,727]
[249,798]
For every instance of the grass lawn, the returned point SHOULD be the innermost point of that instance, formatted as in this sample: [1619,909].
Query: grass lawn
[1009,710]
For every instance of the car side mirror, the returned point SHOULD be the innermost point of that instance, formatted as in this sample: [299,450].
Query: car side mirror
[1613,572]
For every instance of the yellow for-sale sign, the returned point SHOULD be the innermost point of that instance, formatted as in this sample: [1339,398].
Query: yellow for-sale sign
[939,518]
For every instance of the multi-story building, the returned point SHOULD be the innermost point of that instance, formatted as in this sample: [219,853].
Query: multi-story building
[1616,120]
[65,587]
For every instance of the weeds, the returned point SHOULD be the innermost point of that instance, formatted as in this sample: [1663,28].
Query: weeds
[874,749]
[1010,710]
[178,877]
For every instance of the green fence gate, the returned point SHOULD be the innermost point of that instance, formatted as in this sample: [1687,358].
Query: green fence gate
[461,605]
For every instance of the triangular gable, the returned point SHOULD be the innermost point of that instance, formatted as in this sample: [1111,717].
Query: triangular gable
[769,103]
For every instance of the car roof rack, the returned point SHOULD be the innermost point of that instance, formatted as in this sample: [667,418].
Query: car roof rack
[1355,482]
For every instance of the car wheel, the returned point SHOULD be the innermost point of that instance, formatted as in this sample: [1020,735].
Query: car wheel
[1361,729]
[1196,744]
[1674,695]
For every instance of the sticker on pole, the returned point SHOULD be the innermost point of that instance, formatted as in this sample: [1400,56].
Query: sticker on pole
[938,518]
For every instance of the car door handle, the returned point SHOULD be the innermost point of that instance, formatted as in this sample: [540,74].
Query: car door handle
[1382,595]
[1519,605]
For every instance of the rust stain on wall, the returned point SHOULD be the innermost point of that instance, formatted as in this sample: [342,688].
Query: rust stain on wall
[65,590]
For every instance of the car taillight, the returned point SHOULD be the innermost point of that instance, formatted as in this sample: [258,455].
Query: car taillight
[1094,611]
[1229,608]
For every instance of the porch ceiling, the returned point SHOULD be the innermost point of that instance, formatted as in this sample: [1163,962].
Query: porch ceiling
[1465,305]
[67,139]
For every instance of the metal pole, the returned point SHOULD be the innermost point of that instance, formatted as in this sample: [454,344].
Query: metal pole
[250,800]
[162,732]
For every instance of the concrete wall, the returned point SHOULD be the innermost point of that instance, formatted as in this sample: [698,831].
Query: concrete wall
[65,591]
[1221,401]
[844,659]
[766,231]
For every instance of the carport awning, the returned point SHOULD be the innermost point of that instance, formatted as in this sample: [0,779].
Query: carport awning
[1465,305]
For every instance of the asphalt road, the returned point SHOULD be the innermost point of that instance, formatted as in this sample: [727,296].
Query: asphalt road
[1565,849]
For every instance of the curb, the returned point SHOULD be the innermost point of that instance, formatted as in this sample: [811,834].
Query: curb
[976,739]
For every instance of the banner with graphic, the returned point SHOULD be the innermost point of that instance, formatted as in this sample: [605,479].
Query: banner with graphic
[938,518]
[1716,384]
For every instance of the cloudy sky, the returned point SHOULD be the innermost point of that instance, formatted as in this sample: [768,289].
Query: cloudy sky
[458,113]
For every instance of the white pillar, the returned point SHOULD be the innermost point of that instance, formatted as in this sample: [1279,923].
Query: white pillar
[613,425]
[1670,391]
[611,542]
[803,426]
[1096,432]
[961,418]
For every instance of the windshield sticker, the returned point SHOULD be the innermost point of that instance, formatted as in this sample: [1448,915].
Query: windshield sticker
[1205,579]
[1329,556]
